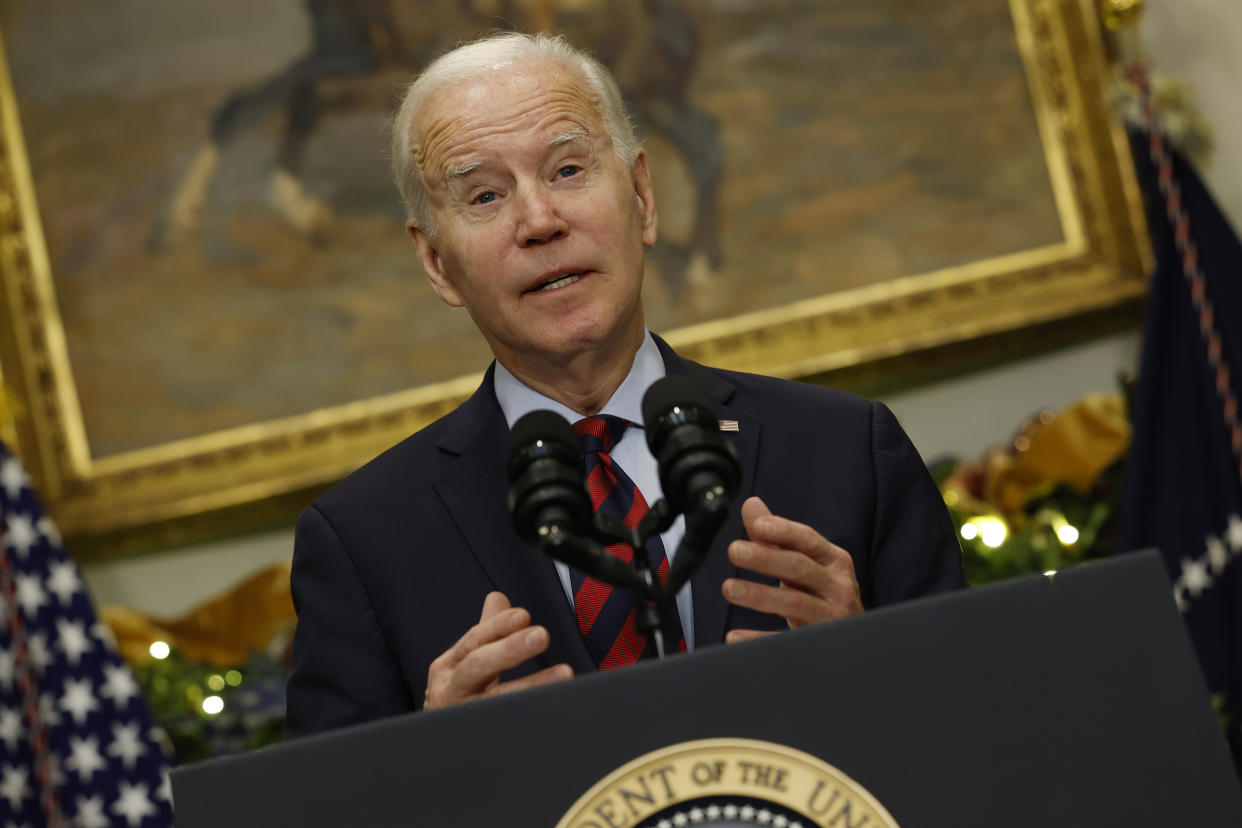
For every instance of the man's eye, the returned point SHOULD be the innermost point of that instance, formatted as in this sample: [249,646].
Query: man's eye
[485,198]
[569,170]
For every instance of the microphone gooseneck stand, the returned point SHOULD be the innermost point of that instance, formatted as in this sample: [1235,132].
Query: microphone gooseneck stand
[588,555]
[651,598]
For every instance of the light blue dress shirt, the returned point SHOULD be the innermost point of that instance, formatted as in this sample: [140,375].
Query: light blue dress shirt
[631,453]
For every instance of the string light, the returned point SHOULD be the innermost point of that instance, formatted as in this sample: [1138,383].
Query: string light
[213,705]
[159,649]
[216,682]
[969,530]
[1067,535]
[992,531]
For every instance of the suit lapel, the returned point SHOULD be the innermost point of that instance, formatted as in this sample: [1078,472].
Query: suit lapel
[474,491]
[711,611]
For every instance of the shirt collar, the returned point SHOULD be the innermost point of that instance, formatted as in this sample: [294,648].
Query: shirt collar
[517,399]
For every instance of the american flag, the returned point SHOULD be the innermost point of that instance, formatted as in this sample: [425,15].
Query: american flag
[77,747]
[1183,490]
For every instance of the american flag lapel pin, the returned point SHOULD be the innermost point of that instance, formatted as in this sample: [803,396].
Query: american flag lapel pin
[728,425]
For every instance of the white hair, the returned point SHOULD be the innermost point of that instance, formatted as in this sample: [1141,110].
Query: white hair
[476,59]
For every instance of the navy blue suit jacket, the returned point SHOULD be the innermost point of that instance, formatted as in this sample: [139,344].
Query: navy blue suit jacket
[391,566]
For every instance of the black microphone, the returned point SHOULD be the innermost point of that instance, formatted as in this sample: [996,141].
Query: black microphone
[548,500]
[697,465]
[544,468]
[699,469]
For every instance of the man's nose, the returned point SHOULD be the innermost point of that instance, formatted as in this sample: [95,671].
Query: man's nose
[539,221]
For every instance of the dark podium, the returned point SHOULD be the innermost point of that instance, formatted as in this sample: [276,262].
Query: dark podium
[1071,700]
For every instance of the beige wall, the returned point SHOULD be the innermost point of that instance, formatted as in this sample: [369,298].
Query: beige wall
[170,583]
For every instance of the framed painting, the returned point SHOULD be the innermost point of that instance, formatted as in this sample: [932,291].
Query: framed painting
[208,296]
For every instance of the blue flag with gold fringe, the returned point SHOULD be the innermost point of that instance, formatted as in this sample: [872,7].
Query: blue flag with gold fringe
[77,745]
[1183,492]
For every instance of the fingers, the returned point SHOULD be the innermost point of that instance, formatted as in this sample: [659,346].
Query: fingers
[734,636]
[548,675]
[794,605]
[495,603]
[817,578]
[766,528]
[792,566]
[496,621]
[752,509]
[503,639]
[481,669]
[791,552]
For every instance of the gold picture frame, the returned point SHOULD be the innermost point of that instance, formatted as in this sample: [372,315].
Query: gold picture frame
[1101,263]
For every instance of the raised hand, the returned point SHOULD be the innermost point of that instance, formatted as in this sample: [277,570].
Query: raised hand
[471,668]
[817,580]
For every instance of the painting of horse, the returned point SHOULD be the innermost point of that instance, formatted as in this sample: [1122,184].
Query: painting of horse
[228,249]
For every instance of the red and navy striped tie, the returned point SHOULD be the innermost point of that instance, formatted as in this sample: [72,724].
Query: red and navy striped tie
[606,614]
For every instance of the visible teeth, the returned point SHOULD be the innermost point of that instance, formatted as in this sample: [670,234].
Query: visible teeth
[567,279]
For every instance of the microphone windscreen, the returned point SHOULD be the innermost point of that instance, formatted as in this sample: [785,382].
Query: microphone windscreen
[542,425]
[544,468]
[674,390]
[538,434]
[695,462]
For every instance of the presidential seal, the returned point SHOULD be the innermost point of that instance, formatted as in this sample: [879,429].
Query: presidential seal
[727,783]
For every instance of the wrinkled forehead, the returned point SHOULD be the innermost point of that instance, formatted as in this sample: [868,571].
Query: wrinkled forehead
[533,96]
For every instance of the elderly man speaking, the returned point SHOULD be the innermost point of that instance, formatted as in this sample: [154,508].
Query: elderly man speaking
[530,205]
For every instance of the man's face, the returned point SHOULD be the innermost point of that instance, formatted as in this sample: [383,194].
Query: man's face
[540,225]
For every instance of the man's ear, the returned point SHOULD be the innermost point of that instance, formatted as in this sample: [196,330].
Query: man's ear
[646,198]
[433,265]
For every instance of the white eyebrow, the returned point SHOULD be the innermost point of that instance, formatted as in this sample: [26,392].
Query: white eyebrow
[467,167]
[460,170]
[570,137]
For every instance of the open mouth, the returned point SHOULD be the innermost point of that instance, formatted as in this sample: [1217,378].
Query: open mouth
[564,280]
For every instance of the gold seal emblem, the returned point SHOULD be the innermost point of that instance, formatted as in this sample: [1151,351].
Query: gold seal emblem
[727,783]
